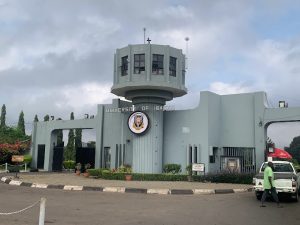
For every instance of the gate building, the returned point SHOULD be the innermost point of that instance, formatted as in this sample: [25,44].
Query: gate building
[224,132]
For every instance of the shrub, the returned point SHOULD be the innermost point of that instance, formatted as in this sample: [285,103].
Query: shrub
[124,169]
[172,168]
[13,169]
[69,164]
[27,159]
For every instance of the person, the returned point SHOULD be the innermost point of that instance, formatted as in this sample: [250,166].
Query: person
[269,187]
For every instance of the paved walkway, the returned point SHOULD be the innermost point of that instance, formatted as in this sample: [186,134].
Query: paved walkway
[70,181]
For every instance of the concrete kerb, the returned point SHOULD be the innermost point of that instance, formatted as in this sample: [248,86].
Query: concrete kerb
[126,189]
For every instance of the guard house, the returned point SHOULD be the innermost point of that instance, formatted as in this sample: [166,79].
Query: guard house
[225,132]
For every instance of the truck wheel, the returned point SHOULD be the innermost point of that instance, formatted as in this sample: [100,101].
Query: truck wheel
[258,195]
[295,197]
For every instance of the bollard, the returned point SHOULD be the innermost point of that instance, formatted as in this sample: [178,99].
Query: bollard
[42,211]
[25,167]
[6,170]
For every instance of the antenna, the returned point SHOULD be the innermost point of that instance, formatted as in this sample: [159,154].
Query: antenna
[186,52]
[144,29]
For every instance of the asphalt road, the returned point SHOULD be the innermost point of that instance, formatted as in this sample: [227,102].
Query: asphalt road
[95,208]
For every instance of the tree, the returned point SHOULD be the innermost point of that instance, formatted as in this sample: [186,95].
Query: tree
[78,138]
[46,118]
[294,148]
[60,136]
[70,149]
[3,116]
[21,123]
[36,119]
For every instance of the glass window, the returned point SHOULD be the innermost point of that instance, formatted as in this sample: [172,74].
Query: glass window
[139,63]
[157,64]
[124,66]
[172,67]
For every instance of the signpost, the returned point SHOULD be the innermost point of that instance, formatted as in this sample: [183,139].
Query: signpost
[198,167]
[17,159]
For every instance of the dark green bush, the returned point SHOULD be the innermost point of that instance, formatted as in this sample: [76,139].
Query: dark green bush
[13,169]
[172,168]
[69,164]
[234,178]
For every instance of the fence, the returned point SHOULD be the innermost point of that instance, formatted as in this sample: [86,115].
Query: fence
[4,168]
[42,202]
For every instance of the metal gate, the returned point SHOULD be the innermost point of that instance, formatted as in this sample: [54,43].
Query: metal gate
[241,158]
[85,155]
[58,155]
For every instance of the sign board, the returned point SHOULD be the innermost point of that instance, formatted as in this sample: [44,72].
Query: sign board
[17,158]
[199,167]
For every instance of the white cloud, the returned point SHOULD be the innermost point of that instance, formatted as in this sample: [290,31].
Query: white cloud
[86,94]
[226,89]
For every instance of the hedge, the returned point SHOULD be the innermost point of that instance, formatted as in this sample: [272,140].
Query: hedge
[214,178]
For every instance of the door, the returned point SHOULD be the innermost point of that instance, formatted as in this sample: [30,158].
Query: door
[41,157]
[58,153]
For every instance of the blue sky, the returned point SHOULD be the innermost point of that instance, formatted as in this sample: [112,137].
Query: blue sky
[57,56]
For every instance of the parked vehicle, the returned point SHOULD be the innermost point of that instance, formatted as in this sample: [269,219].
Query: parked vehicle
[286,180]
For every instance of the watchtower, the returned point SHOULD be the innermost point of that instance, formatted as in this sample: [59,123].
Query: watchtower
[148,75]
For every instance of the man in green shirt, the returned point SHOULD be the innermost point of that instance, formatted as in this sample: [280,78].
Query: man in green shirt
[269,187]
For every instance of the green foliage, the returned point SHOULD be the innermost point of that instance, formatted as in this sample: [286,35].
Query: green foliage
[215,178]
[69,153]
[234,178]
[21,123]
[14,169]
[172,168]
[46,118]
[124,169]
[11,135]
[78,137]
[69,164]
[36,119]
[189,169]
[294,148]
[3,116]
[27,159]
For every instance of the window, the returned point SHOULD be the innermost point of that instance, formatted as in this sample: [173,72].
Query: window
[172,67]
[139,63]
[157,64]
[124,66]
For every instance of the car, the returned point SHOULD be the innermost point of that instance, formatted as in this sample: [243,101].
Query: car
[286,180]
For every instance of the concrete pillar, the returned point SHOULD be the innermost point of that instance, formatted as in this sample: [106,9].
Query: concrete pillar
[148,147]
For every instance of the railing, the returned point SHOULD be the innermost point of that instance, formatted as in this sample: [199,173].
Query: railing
[7,165]
[42,202]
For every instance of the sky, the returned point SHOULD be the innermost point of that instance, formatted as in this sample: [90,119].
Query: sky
[56,56]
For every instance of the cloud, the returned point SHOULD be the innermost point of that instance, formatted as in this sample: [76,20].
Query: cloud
[226,89]
[57,56]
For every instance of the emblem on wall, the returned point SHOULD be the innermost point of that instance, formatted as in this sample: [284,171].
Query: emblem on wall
[138,122]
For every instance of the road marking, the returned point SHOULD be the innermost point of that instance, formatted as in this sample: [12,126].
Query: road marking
[15,182]
[73,188]
[204,191]
[114,189]
[39,185]
[158,191]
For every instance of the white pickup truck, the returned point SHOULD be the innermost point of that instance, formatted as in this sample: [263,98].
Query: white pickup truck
[286,180]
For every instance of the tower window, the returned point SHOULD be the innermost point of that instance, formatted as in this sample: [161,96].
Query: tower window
[157,64]
[139,63]
[172,67]
[124,66]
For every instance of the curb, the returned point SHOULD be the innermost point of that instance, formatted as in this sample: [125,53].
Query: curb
[125,189]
